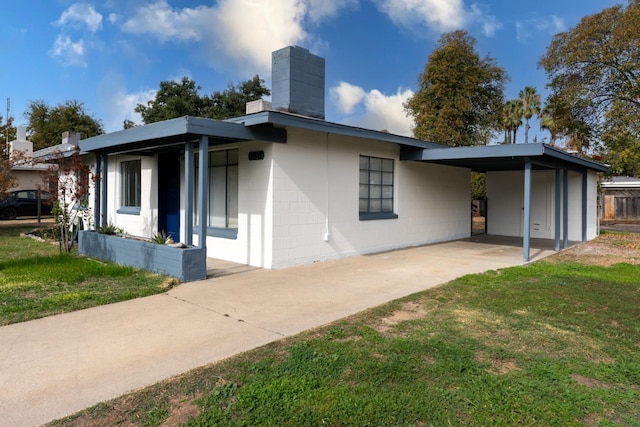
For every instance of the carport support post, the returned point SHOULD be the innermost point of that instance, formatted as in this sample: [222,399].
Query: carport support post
[188,192]
[103,190]
[203,189]
[565,209]
[527,210]
[96,191]
[556,215]
[584,206]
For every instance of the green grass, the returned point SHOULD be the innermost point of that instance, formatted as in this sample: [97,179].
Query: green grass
[36,280]
[550,343]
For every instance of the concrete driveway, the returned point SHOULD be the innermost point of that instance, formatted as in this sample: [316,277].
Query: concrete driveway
[59,365]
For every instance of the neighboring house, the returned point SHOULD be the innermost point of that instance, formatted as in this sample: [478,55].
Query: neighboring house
[620,199]
[285,187]
[29,175]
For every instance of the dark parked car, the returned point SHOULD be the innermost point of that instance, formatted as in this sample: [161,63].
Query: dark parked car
[25,203]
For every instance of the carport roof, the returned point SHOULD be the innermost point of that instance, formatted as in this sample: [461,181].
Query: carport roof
[504,157]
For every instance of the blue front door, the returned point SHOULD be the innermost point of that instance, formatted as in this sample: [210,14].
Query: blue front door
[169,195]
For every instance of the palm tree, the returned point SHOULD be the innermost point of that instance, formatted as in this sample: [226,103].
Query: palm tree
[548,123]
[511,119]
[530,105]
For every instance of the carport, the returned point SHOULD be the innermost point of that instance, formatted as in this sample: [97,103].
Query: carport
[526,158]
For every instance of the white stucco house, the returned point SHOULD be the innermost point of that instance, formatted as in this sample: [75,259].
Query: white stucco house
[282,186]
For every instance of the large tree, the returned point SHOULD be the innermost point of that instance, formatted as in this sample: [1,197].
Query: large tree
[46,123]
[177,99]
[460,95]
[594,75]
[232,101]
[174,99]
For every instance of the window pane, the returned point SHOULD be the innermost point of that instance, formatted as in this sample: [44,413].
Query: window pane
[387,206]
[232,213]
[387,178]
[364,177]
[387,165]
[374,205]
[364,162]
[375,192]
[218,158]
[364,205]
[376,164]
[387,192]
[217,197]
[375,178]
[364,191]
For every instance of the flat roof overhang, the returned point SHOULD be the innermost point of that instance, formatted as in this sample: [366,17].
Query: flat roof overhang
[285,119]
[503,157]
[175,132]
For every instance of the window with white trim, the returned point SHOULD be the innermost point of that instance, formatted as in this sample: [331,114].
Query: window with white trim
[130,172]
[376,188]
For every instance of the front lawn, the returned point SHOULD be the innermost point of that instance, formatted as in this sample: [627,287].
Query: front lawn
[555,342]
[36,280]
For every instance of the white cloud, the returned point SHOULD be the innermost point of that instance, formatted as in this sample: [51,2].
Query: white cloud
[164,23]
[81,14]
[489,23]
[374,110]
[437,16]
[69,52]
[236,34]
[346,96]
[549,25]
[318,10]
[116,104]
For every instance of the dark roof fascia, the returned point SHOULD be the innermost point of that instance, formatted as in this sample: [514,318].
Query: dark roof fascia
[278,118]
[181,129]
[479,157]
[65,150]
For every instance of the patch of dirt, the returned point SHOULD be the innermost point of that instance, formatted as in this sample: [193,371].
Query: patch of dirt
[180,411]
[606,250]
[498,366]
[494,330]
[409,311]
[590,382]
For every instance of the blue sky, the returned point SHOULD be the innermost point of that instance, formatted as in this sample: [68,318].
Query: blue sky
[112,54]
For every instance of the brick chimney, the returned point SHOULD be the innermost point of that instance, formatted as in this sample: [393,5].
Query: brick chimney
[298,81]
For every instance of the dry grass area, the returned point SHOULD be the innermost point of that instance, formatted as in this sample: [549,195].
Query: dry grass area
[608,249]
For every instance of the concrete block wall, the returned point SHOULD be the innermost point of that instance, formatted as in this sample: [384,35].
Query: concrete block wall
[316,187]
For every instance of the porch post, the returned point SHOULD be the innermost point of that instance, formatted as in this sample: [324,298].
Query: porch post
[527,210]
[96,190]
[556,215]
[565,209]
[203,189]
[188,192]
[103,193]
[584,206]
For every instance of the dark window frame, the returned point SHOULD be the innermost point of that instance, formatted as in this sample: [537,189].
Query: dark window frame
[376,188]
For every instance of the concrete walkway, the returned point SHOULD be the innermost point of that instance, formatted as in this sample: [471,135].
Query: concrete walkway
[56,366]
